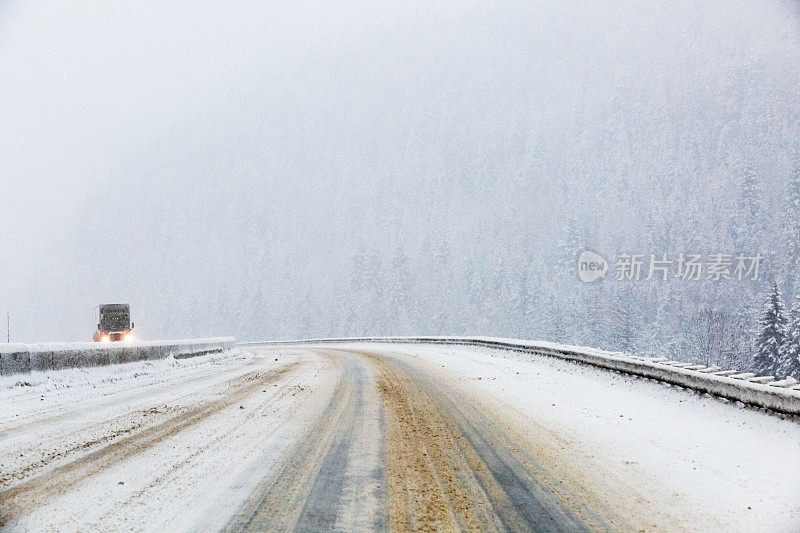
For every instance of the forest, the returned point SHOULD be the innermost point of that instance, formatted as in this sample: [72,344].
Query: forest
[435,169]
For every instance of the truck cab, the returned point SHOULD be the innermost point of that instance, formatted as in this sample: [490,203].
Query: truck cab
[115,323]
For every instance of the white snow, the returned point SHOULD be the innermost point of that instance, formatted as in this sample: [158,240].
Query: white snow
[710,464]
[107,380]
[715,463]
[53,418]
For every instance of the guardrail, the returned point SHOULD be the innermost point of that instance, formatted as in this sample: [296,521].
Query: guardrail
[782,395]
[25,358]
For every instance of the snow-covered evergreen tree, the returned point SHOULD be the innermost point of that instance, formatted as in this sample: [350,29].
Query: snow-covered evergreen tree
[622,315]
[792,214]
[789,364]
[553,319]
[398,292]
[748,219]
[794,183]
[568,248]
[772,339]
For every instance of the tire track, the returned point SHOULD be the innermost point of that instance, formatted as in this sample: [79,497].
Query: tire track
[310,492]
[69,441]
[227,427]
[450,467]
[77,411]
[20,499]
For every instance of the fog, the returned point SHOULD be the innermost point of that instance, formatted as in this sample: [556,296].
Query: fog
[294,169]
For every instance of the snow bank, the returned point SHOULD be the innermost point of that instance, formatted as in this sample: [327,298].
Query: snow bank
[761,391]
[24,358]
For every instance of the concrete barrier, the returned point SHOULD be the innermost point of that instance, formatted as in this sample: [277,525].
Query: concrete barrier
[14,358]
[41,360]
[25,358]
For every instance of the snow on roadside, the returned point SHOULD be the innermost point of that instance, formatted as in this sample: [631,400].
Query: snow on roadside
[171,481]
[21,392]
[702,456]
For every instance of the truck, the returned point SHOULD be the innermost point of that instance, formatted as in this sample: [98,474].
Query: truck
[115,323]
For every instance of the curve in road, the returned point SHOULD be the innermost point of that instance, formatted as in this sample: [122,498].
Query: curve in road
[329,438]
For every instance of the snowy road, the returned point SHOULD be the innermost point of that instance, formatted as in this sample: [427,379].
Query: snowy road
[376,437]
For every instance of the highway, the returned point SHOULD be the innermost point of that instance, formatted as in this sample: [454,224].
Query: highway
[370,437]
